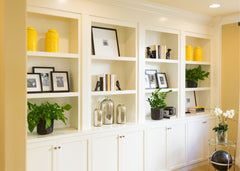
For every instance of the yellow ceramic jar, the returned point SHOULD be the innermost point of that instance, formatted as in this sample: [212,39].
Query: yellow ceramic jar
[52,41]
[198,54]
[189,53]
[31,39]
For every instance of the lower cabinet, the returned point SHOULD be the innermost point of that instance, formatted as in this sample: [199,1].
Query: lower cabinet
[166,146]
[121,151]
[58,156]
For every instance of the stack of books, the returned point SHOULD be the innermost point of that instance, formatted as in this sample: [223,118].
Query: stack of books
[161,51]
[107,82]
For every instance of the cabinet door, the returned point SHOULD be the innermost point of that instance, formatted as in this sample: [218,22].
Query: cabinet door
[205,137]
[105,153]
[156,149]
[40,158]
[176,145]
[72,156]
[131,151]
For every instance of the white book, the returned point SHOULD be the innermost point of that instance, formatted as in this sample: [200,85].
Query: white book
[113,82]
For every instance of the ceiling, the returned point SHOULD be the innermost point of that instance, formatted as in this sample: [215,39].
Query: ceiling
[201,6]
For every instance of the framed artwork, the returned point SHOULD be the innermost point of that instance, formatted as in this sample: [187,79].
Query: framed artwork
[105,41]
[189,100]
[162,80]
[45,73]
[60,81]
[34,83]
[152,78]
[147,84]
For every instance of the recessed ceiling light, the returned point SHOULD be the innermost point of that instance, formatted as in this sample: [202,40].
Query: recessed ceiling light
[214,6]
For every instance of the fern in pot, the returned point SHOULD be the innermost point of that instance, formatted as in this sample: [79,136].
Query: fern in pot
[194,75]
[157,103]
[42,116]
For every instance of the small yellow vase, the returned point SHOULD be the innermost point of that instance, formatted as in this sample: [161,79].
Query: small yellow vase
[198,54]
[31,39]
[189,53]
[52,41]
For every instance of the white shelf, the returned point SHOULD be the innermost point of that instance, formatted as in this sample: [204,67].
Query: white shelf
[147,91]
[105,93]
[161,60]
[198,89]
[52,95]
[197,63]
[117,58]
[52,55]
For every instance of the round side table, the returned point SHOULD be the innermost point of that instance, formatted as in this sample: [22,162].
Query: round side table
[229,147]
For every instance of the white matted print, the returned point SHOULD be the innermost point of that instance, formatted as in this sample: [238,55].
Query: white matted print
[45,73]
[162,80]
[60,81]
[190,100]
[152,78]
[105,42]
[34,83]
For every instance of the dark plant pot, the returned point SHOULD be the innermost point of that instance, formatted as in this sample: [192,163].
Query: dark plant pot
[191,83]
[157,114]
[41,128]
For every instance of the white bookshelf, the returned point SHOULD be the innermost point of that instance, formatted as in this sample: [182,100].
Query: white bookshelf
[172,61]
[52,55]
[116,58]
[51,95]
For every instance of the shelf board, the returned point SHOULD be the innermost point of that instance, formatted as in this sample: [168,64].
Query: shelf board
[104,93]
[198,89]
[52,55]
[172,61]
[197,63]
[117,58]
[51,95]
[148,91]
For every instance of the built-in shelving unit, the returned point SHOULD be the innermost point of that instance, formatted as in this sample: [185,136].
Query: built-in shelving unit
[68,59]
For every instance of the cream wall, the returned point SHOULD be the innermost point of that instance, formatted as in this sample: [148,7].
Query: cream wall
[12,85]
[231,73]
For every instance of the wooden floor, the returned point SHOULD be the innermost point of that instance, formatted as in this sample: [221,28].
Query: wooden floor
[202,167]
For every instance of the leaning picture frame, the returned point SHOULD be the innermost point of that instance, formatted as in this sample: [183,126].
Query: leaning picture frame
[34,83]
[60,81]
[162,80]
[45,73]
[189,101]
[105,42]
[152,78]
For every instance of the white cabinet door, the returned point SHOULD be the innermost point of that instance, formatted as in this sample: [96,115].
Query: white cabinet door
[176,144]
[131,151]
[205,137]
[72,156]
[39,158]
[105,153]
[156,153]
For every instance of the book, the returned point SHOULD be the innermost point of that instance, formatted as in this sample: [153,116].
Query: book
[113,82]
[102,79]
[159,52]
[156,50]
[108,82]
[163,53]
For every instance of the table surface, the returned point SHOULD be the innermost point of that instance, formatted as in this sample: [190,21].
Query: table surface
[227,144]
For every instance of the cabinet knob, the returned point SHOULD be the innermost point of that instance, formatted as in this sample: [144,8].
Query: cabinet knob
[55,148]
[169,128]
[123,136]
[204,122]
[59,147]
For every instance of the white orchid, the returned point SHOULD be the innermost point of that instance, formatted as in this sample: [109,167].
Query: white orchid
[218,111]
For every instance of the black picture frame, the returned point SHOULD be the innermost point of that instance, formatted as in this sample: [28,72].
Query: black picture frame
[60,81]
[162,80]
[152,78]
[45,73]
[105,46]
[34,83]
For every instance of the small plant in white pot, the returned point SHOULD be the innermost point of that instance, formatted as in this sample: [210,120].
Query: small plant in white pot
[157,103]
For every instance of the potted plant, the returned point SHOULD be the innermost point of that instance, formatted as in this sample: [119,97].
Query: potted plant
[157,103]
[222,127]
[44,115]
[195,74]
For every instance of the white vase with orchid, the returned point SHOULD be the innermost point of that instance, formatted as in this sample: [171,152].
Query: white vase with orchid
[222,127]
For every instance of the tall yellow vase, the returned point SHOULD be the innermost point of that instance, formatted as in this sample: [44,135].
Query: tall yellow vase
[189,53]
[198,54]
[31,39]
[52,41]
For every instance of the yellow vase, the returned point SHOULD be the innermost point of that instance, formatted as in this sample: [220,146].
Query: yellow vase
[52,41]
[198,54]
[189,53]
[31,39]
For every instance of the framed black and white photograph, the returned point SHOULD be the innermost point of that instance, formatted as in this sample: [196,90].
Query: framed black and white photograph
[45,73]
[152,78]
[147,84]
[60,82]
[162,80]
[105,41]
[189,100]
[34,83]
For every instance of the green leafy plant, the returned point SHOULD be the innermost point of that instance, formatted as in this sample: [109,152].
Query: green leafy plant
[196,74]
[157,99]
[46,112]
